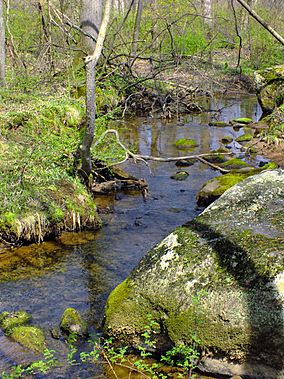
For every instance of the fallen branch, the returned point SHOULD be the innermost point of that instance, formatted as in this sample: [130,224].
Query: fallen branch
[145,158]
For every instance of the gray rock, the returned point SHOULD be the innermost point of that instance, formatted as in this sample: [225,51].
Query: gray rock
[219,278]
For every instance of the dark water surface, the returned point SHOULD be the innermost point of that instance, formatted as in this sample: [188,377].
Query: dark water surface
[81,269]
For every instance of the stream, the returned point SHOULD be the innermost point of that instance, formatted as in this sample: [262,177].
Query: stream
[80,269]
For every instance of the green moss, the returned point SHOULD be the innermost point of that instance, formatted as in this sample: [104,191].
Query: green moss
[242,120]
[218,123]
[8,321]
[125,315]
[117,296]
[72,322]
[184,143]
[234,163]
[244,138]
[30,337]
[269,166]
[212,332]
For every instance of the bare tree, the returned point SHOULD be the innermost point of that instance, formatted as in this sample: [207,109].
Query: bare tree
[91,62]
[137,28]
[2,45]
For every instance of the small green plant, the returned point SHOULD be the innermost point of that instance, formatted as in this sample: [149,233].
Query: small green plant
[40,366]
[183,356]
[72,349]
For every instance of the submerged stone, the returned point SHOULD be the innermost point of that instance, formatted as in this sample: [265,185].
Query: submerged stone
[31,337]
[72,322]
[220,279]
[185,163]
[227,139]
[180,175]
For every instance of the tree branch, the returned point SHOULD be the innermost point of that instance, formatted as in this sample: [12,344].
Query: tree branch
[261,21]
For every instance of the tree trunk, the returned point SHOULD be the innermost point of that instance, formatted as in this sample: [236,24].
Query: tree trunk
[137,28]
[2,45]
[90,119]
[91,62]
[90,22]
[208,21]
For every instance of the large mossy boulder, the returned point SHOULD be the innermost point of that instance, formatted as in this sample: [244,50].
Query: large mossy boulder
[219,279]
[270,88]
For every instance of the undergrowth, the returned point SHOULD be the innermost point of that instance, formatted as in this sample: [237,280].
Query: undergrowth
[180,360]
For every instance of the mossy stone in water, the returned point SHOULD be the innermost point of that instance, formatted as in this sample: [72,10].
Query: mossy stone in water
[234,164]
[215,187]
[242,120]
[184,143]
[227,139]
[218,123]
[185,162]
[244,138]
[180,175]
[8,321]
[72,322]
[32,337]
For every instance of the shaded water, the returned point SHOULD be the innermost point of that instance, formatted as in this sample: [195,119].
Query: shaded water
[80,270]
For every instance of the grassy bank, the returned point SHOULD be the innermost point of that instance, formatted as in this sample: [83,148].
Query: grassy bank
[40,193]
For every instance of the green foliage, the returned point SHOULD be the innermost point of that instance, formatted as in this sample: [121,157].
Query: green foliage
[105,350]
[40,366]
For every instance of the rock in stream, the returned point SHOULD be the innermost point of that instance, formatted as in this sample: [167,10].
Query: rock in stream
[219,278]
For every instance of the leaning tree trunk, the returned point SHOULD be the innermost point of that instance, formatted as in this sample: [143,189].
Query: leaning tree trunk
[261,21]
[2,45]
[91,62]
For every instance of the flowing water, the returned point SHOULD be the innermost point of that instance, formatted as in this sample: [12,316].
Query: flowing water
[81,269]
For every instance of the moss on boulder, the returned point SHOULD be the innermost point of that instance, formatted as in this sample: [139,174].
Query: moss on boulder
[31,337]
[72,322]
[219,278]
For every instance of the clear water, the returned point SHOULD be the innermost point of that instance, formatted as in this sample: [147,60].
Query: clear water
[81,269]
